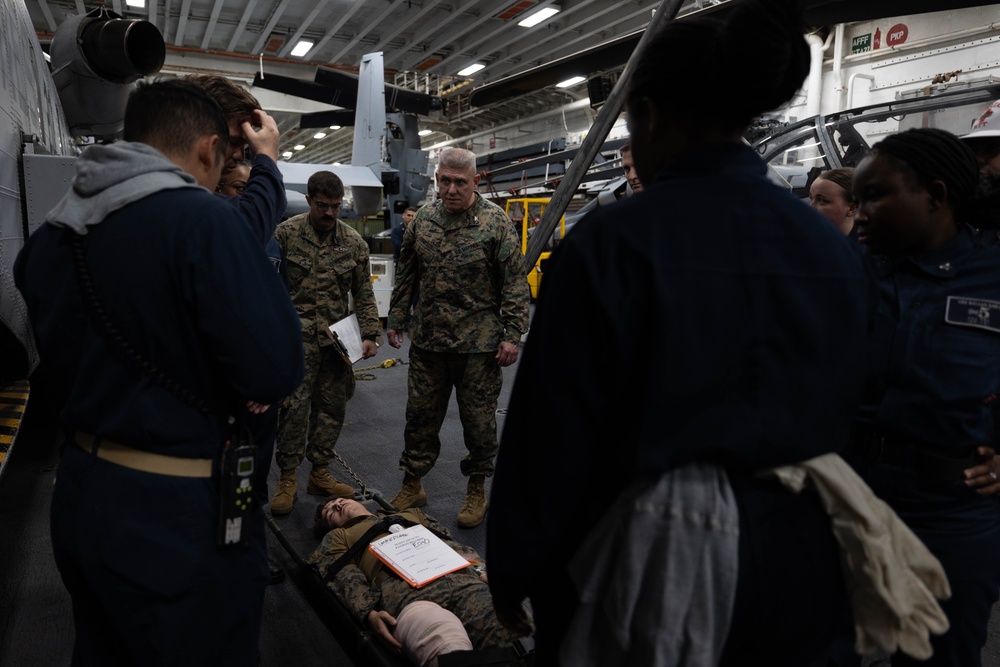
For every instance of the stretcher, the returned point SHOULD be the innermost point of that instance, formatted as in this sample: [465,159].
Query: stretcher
[363,645]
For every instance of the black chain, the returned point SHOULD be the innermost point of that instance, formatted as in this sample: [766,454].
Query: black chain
[90,298]
[354,475]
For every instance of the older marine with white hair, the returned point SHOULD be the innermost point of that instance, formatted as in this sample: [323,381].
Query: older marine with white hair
[463,258]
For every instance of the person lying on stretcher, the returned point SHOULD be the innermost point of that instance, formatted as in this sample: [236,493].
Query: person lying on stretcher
[376,595]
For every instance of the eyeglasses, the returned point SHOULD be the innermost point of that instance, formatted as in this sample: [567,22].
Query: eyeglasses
[239,186]
[324,206]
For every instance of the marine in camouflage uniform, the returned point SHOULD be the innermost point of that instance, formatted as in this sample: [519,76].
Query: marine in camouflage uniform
[327,262]
[365,584]
[463,258]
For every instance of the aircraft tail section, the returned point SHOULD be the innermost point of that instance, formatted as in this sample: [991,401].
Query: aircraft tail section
[369,130]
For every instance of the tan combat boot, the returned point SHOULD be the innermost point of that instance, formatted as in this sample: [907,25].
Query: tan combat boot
[322,483]
[411,495]
[474,509]
[284,497]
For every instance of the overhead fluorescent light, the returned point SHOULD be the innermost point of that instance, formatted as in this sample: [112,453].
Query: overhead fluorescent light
[302,48]
[299,147]
[287,154]
[334,127]
[424,133]
[571,82]
[538,17]
[135,3]
[472,69]
[319,135]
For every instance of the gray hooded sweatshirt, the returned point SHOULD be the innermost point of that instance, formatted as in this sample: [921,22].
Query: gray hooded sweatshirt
[111,176]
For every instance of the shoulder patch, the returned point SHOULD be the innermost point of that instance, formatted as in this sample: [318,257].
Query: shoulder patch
[975,313]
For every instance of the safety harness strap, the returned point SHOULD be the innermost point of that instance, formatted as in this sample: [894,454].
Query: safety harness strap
[377,528]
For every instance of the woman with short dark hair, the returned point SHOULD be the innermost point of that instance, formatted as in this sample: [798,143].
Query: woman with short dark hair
[928,410]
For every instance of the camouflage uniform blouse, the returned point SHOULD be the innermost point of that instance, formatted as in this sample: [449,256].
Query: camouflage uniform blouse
[323,273]
[468,278]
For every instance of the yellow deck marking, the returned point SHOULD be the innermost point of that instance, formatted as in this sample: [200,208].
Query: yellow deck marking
[13,399]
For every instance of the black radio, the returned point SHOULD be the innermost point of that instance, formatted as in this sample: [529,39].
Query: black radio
[236,494]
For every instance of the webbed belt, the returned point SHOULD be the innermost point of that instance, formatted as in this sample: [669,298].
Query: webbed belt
[137,459]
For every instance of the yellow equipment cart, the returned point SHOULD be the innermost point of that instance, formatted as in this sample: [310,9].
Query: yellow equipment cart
[526,212]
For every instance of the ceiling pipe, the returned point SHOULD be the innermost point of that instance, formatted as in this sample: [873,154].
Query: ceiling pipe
[595,138]
[815,94]
[838,62]
[572,106]
[45,37]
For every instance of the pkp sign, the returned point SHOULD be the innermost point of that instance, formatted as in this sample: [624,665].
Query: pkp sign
[897,34]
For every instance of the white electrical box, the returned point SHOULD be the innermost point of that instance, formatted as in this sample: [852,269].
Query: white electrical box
[383,271]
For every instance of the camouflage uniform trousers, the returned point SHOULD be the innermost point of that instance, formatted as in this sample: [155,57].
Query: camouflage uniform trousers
[477,380]
[464,594]
[315,411]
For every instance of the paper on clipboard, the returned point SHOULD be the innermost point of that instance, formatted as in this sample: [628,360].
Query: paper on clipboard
[417,555]
[347,334]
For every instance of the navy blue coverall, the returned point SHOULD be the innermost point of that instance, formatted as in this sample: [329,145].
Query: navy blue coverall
[186,283]
[712,317]
[934,360]
[263,204]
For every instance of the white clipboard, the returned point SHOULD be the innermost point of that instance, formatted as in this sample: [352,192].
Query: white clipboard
[347,336]
[417,555]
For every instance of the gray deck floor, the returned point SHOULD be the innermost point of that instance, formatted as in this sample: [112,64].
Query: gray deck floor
[36,621]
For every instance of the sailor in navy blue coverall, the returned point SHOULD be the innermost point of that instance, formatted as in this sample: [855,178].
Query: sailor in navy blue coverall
[757,308]
[934,370]
[262,205]
[183,281]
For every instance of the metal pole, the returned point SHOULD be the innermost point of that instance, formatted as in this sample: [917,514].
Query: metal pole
[594,140]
